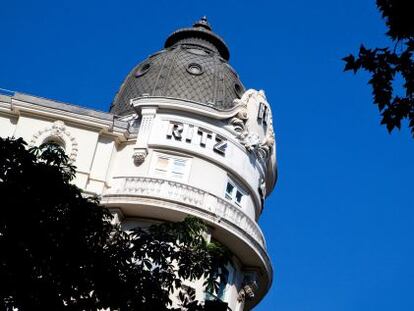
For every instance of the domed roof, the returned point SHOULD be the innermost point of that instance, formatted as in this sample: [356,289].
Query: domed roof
[192,66]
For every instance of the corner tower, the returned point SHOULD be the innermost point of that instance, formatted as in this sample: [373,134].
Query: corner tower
[202,145]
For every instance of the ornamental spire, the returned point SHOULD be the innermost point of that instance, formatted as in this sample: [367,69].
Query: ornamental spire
[192,35]
[202,22]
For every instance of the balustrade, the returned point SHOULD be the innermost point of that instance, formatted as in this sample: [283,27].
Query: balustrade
[186,194]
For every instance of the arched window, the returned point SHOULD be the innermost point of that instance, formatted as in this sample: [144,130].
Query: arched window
[55,140]
[58,134]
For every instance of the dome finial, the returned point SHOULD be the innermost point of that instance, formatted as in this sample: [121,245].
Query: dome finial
[202,22]
[192,35]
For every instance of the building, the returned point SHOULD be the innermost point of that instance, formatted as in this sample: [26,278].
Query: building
[183,137]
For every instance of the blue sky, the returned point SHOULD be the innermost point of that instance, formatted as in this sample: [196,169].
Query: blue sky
[340,223]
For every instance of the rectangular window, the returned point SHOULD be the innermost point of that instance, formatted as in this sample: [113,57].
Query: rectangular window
[238,197]
[170,167]
[229,190]
[234,193]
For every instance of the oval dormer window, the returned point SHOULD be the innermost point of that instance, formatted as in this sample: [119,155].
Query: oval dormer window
[142,70]
[238,89]
[195,69]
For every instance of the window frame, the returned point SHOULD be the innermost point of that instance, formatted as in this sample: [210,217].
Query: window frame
[170,171]
[236,189]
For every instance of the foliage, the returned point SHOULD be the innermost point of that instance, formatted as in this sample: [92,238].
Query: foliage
[388,64]
[60,251]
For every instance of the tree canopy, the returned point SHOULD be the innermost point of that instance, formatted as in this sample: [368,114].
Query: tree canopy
[60,250]
[390,65]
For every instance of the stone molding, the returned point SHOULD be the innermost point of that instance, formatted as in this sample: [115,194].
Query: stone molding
[179,104]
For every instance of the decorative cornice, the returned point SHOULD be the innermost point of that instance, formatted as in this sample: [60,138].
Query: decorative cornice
[177,104]
[22,104]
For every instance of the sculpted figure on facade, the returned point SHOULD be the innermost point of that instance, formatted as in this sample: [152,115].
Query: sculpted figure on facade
[139,156]
[238,122]
[253,123]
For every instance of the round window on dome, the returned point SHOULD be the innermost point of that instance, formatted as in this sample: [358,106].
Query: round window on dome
[142,70]
[195,69]
[238,89]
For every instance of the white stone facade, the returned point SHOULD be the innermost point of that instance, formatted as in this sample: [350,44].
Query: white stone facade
[169,159]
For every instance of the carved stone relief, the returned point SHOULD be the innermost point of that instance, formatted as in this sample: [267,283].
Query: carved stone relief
[139,156]
[249,286]
[255,133]
[57,131]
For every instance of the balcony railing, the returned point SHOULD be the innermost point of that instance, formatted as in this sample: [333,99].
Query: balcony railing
[185,194]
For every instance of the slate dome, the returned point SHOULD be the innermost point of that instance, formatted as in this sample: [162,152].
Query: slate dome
[192,66]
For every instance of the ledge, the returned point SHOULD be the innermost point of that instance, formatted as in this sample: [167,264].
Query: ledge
[186,194]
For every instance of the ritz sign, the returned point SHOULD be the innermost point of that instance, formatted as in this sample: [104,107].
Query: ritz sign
[177,131]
